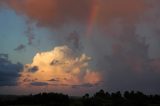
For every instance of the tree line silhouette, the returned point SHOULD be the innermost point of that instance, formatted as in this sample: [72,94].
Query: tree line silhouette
[100,98]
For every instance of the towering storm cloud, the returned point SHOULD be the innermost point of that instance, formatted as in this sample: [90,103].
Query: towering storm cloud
[59,67]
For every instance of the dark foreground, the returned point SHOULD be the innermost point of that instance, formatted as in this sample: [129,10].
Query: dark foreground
[100,98]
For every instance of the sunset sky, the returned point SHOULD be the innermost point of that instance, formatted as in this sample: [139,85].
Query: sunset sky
[79,46]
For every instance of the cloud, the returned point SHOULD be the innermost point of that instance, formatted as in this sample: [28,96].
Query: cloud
[3,55]
[89,14]
[9,72]
[29,33]
[53,79]
[124,45]
[73,40]
[33,69]
[20,47]
[39,83]
[155,65]
[60,66]
[129,66]
[55,12]
[85,85]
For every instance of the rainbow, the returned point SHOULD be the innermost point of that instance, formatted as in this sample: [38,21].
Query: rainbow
[92,18]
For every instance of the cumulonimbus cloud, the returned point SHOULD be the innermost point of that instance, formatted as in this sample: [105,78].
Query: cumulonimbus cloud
[62,65]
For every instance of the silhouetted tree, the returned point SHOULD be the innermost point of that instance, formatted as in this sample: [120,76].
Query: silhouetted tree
[99,99]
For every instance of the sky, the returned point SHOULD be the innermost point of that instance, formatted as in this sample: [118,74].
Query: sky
[79,46]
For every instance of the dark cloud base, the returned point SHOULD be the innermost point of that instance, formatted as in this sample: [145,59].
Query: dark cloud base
[9,72]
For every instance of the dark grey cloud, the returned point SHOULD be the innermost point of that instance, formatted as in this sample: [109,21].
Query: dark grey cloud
[20,47]
[56,62]
[73,40]
[3,55]
[63,85]
[27,80]
[29,32]
[33,69]
[39,83]
[85,85]
[128,67]
[9,72]
[54,80]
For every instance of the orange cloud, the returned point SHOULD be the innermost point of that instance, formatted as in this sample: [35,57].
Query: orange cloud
[61,66]
[127,10]
[58,12]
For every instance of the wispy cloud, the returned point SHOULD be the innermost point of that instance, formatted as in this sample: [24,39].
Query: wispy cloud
[20,47]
